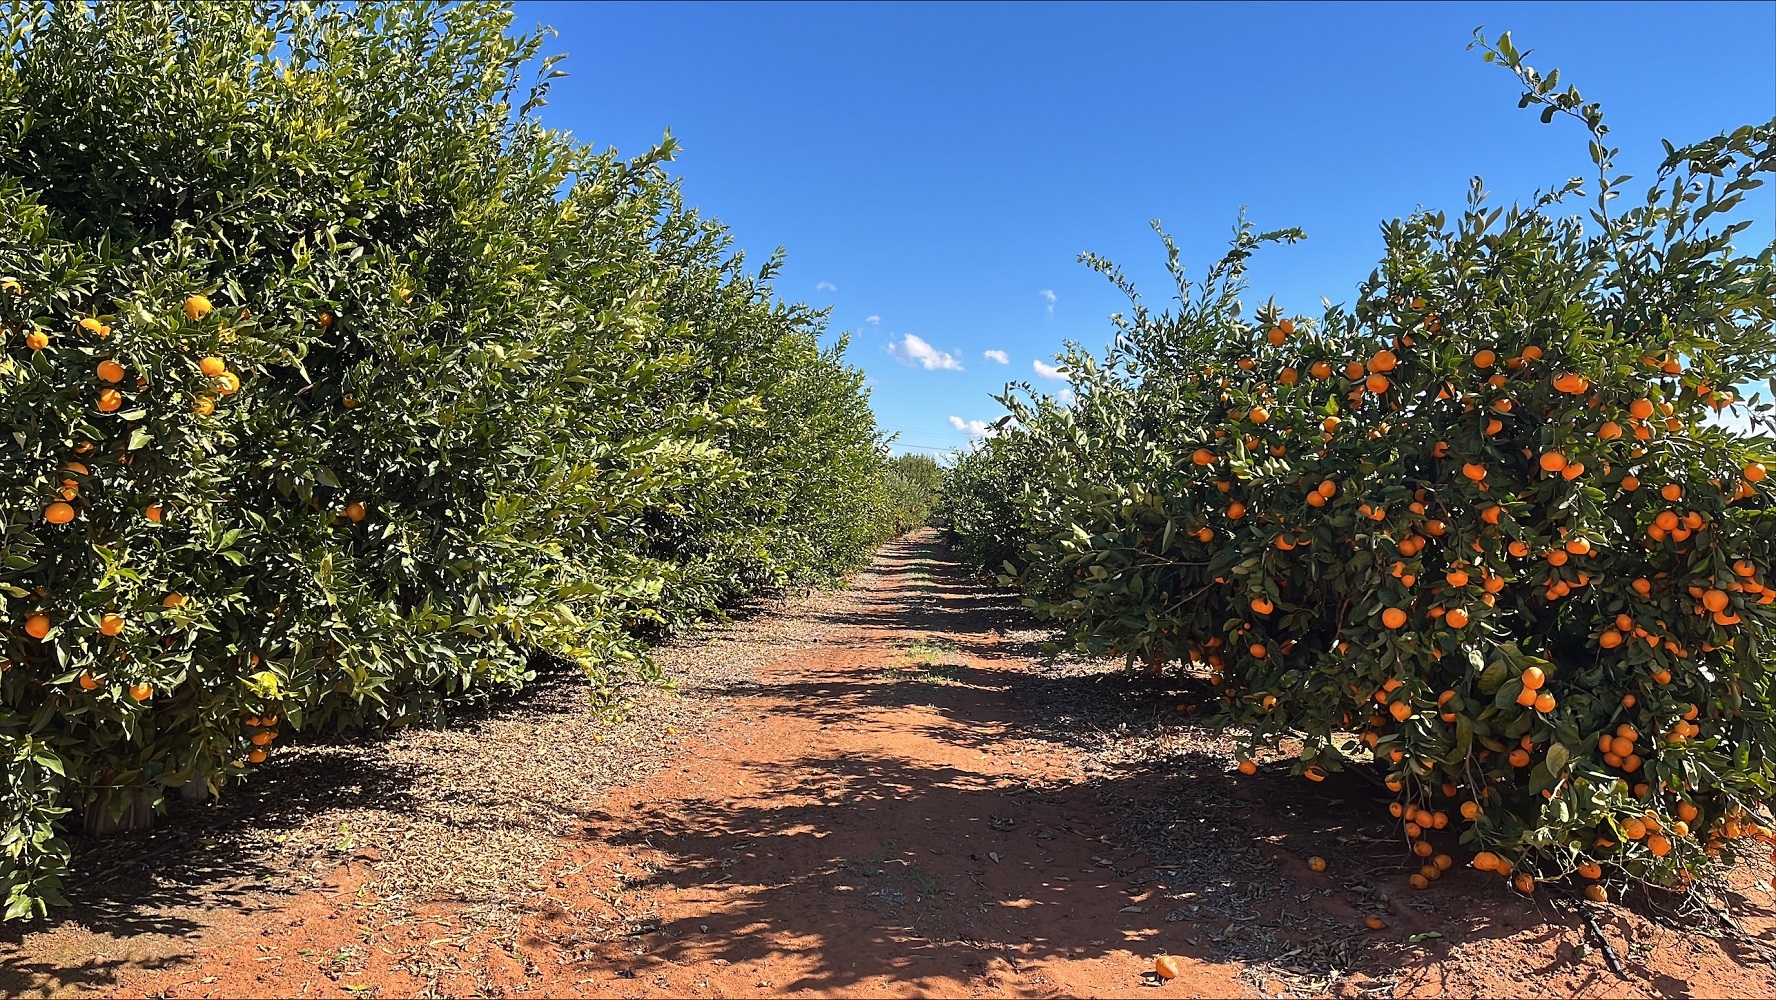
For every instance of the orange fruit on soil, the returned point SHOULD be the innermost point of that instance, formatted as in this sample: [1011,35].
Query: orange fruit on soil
[1524,883]
[1596,894]
[1168,967]
[1374,923]
[1419,882]
[1247,767]
[1316,864]
[256,756]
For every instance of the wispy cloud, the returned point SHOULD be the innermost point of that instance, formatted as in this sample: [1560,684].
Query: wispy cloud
[826,286]
[976,430]
[1048,294]
[913,350]
[873,320]
[999,356]
[1046,371]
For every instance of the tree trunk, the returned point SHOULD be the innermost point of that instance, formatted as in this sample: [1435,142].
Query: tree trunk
[137,814]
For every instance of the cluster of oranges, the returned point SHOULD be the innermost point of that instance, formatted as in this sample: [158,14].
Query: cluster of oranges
[63,509]
[1471,540]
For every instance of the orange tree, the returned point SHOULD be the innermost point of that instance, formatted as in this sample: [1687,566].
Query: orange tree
[336,388]
[1487,527]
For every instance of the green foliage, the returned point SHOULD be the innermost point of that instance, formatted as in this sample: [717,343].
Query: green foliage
[1500,465]
[489,394]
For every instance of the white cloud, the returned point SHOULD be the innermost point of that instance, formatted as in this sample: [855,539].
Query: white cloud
[915,351]
[1046,371]
[1736,419]
[1048,293]
[826,286]
[975,429]
[999,356]
[873,320]
[1068,398]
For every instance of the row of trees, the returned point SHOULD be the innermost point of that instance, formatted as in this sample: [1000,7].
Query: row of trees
[1501,526]
[336,389]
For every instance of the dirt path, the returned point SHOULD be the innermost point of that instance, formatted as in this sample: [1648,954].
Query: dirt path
[881,792]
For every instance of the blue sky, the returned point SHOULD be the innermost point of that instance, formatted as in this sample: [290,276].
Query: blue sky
[934,171]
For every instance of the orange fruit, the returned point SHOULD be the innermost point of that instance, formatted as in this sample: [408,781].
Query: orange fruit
[1640,409]
[1316,864]
[109,400]
[1524,883]
[110,371]
[1755,472]
[1671,491]
[1571,383]
[1393,618]
[1474,471]
[88,682]
[1552,461]
[58,513]
[1202,456]
[1247,767]
[141,691]
[1377,383]
[173,601]
[1485,359]
[36,340]
[37,625]
[153,512]
[203,406]
[1596,894]
[354,511]
[213,367]
[111,624]
[256,756]
[1534,678]
[1419,882]
[1236,510]
[228,383]
[1383,361]
[1276,335]
[197,307]
[1610,431]
[1374,923]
